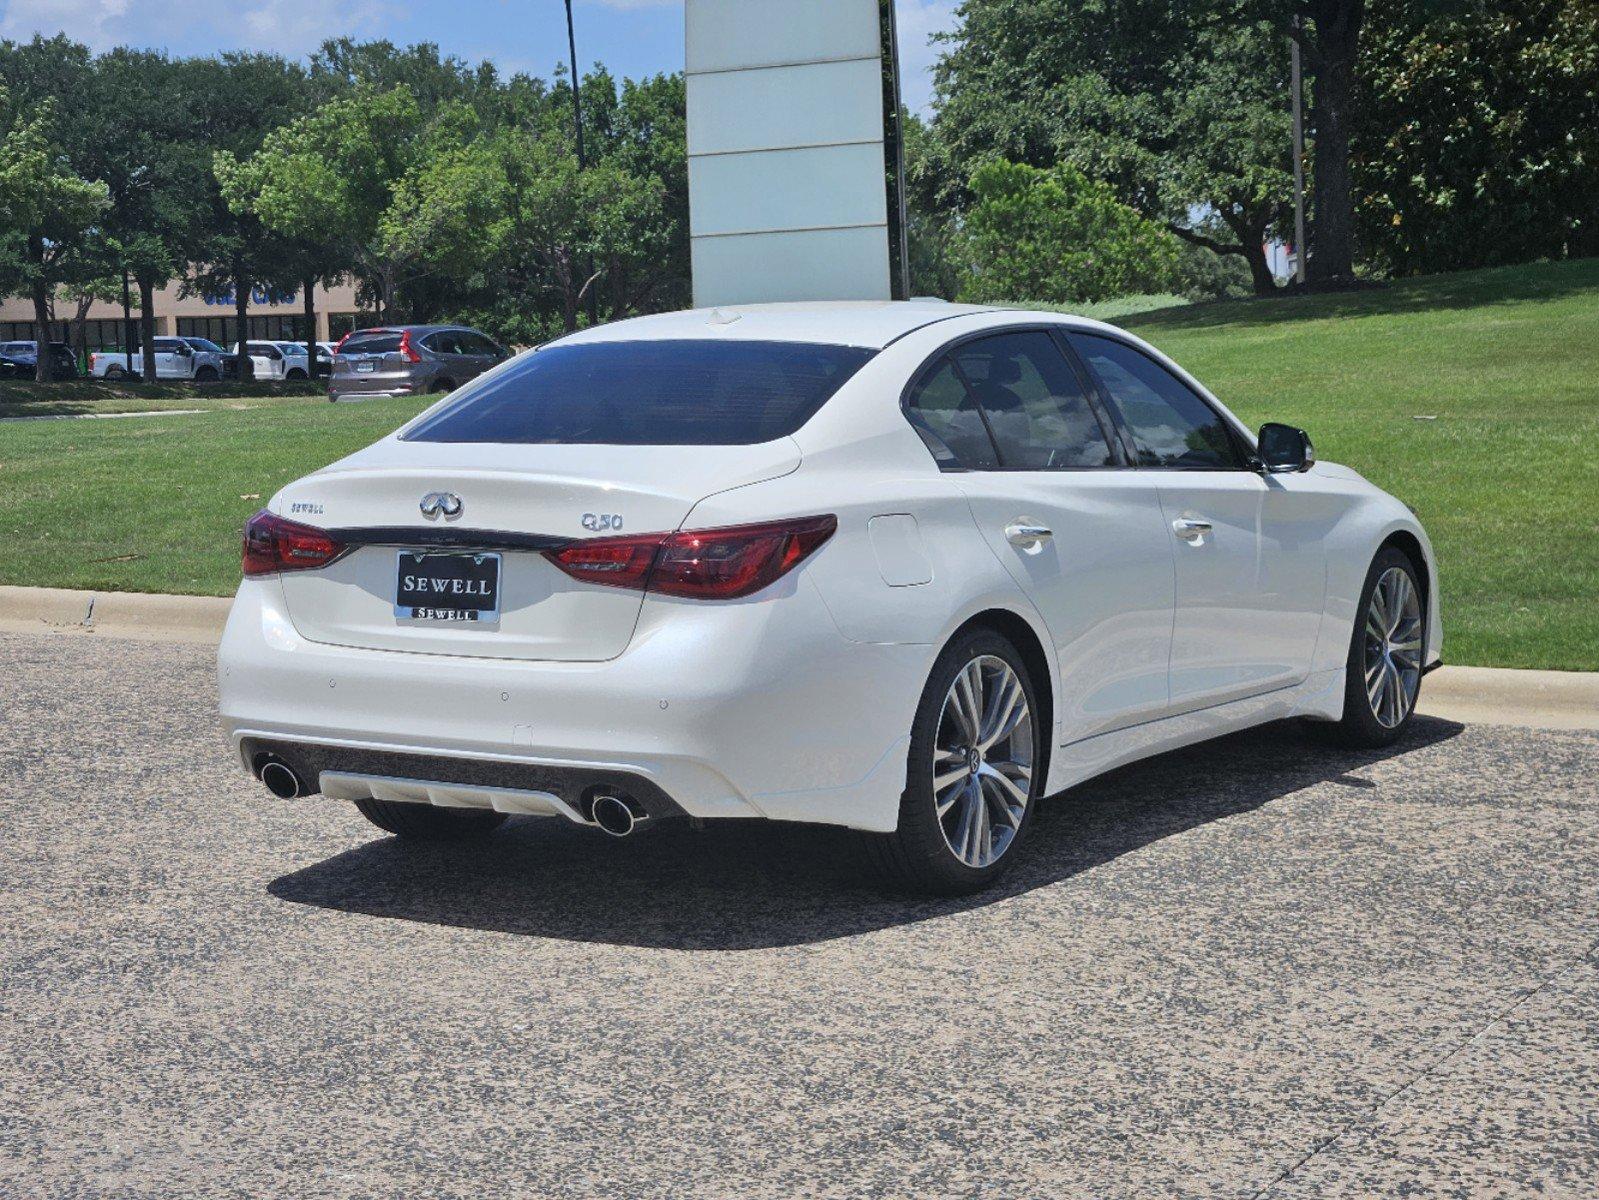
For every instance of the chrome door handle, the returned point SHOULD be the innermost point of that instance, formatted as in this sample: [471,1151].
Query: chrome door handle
[1028,535]
[1191,529]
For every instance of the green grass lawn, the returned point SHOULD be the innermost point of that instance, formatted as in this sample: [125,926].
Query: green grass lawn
[1505,364]
[85,397]
[156,504]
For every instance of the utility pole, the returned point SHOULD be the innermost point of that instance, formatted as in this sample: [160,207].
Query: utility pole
[127,323]
[582,159]
[1298,88]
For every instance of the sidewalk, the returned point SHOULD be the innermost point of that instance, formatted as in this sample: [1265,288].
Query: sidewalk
[1470,695]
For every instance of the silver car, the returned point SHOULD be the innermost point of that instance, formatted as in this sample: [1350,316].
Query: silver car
[409,360]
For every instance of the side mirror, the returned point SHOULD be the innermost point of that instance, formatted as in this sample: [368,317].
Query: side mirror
[1285,450]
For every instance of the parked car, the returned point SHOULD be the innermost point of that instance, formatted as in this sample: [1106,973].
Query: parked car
[324,359]
[275,360]
[410,360]
[175,358]
[20,360]
[906,568]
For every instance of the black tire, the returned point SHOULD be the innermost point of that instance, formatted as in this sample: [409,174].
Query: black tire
[206,375]
[1360,726]
[115,373]
[296,375]
[424,823]
[442,387]
[917,857]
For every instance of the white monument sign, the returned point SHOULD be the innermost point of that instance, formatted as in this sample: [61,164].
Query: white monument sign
[788,196]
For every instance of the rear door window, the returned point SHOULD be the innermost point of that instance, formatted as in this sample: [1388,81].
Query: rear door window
[945,414]
[688,392]
[1034,401]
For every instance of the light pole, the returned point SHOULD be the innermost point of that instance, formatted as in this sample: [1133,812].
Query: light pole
[582,159]
[1298,88]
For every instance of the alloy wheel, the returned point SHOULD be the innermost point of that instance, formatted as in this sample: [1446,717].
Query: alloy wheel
[983,761]
[1393,648]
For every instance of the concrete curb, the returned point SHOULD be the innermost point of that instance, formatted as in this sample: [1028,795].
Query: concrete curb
[144,617]
[1471,695]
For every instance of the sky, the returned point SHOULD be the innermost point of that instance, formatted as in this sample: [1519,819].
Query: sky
[631,37]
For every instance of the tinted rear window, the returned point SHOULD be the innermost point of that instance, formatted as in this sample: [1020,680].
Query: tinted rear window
[666,393]
[371,343]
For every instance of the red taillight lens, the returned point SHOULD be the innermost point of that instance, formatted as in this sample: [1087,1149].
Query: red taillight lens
[408,351]
[615,562]
[272,544]
[703,564]
[342,340]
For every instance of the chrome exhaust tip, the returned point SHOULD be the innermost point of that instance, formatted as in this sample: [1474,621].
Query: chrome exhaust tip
[615,815]
[281,780]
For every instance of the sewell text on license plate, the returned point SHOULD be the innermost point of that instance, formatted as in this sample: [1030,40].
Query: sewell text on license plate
[447,587]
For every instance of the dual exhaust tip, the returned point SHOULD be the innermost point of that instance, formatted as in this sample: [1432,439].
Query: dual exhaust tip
[612,814]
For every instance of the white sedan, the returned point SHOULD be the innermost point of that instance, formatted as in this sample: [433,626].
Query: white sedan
[905,568]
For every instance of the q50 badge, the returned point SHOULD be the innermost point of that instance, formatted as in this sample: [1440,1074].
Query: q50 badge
[602,522]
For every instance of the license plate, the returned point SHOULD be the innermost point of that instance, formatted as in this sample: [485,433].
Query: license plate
[447,587]
[366,366]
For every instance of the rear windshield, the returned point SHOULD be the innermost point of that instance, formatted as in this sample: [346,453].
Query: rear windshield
[666,393]
[380,342]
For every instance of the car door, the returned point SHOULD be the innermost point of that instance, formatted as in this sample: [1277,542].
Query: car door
[1083,537]
[483,353]
[169,363]
[454,364]
[1250,565]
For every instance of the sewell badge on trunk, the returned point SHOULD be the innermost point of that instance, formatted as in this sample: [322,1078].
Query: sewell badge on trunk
[447,587]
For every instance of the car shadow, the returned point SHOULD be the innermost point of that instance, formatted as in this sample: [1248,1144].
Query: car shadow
[750,885]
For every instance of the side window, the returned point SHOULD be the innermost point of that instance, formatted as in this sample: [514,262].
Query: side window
[1170,424]
[1034,401]
[476,343]
[944,413]
[166,346]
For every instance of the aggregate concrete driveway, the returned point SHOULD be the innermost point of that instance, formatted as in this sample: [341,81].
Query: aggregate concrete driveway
[1258,968]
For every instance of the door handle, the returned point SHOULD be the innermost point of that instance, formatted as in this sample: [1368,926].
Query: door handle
[1191,529]
[1028,535]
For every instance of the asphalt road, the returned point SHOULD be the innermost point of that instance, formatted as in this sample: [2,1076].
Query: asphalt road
[1257,968]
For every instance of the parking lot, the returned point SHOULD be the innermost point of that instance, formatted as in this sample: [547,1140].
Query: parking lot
[1262,967]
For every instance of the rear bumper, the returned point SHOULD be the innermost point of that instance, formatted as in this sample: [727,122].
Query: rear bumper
[748,709]
[356,387]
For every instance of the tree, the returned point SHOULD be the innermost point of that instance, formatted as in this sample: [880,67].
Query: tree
[1058,237]
[1477,142]
[46,208]
[1183,114]
[233,252]
[156,172]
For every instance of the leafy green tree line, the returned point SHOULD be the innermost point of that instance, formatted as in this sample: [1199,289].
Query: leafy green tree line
[443,190]
[1443,134]
[1077,150]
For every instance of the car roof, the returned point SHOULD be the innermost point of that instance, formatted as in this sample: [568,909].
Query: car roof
[872,324]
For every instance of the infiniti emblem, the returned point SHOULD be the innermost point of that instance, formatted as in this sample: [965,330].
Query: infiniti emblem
[441,504]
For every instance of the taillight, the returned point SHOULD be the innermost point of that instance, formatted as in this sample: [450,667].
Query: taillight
[408,351]
[342,340]
[272,544]
[703,564]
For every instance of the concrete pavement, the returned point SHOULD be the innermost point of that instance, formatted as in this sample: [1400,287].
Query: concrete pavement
[1257,968]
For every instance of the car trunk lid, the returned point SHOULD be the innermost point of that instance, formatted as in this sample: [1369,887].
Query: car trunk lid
[514,501]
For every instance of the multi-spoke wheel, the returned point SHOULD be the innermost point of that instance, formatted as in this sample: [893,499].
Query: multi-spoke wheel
[983,761]
[974,771]
[1393,647]
[1386,654]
